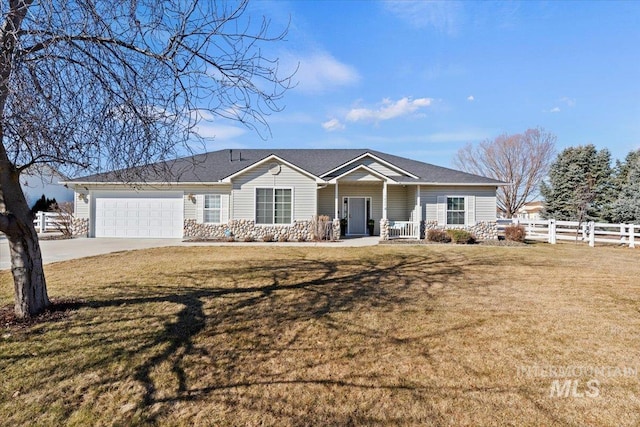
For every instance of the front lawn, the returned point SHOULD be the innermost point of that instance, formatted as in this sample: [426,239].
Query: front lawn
[387,335]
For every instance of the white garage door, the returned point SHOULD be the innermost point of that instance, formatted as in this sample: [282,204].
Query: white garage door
[138,215]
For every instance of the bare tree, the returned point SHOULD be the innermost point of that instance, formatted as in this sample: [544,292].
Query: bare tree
[521,160]
[95,85]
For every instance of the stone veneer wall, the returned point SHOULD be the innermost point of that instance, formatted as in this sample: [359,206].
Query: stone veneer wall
[482,230]
[336,228]
[384,229]
[241,229]
[80,227]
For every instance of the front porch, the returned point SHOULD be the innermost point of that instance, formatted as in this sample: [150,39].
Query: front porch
[372,207]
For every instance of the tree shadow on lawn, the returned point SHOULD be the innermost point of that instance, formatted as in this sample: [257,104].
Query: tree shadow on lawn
[302,340]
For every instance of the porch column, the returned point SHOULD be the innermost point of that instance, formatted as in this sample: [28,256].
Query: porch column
[418,205]
[418,218]
[384,200]
[337,202]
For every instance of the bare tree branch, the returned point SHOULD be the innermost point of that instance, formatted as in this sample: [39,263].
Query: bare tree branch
[522,160]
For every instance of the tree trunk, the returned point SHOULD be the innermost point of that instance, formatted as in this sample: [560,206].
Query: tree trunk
[28,275]
[26,260]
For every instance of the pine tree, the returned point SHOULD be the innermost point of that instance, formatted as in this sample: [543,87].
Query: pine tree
[580,185]
[626,207]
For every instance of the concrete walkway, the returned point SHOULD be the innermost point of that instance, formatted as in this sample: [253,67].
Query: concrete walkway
[62,250]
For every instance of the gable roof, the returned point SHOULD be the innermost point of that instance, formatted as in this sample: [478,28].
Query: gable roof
[215,166]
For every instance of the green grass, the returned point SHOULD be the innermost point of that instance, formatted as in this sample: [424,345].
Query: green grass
[388,335]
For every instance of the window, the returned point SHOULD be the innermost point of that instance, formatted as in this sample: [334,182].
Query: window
[273,206]
[455,210]
[212,207]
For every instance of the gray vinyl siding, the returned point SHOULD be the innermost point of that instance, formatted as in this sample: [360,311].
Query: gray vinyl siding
[485,201]
[244,185]
[411,203]
[360,176]
[326,200]
[372,164]
[81,205]
[397,203]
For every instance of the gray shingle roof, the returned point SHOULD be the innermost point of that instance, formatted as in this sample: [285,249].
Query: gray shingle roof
[218,165]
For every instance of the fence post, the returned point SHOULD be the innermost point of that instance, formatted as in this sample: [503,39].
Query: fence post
[623,231]
[43,226]
[592,234]
[552,231]
[632,235]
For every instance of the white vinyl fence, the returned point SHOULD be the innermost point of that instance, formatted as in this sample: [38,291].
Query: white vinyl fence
[592,232]
[404,229]
[49,221]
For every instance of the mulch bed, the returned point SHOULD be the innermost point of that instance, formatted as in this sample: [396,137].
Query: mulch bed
[426,242]
[59,309]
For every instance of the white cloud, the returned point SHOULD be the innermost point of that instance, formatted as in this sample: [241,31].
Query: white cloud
[443,16]
[320,72]
[218,132]
[388,109]
[555,110]
[570,102]
[470,98]
[333,125]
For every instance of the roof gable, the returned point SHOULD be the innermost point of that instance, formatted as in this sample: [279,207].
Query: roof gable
[268,159]
[360,173]
[389,165]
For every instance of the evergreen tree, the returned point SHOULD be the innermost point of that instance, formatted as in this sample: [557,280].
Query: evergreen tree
[580,185]
[626,207]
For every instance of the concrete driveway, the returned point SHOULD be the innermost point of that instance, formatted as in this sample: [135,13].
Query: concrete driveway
[62,250]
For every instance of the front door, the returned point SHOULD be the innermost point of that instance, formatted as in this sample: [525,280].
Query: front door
[357,222]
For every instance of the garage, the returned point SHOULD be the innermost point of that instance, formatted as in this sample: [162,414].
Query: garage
[138,214]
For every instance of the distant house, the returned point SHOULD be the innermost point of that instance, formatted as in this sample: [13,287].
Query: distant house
[254,193]
[44,180]
[531,211]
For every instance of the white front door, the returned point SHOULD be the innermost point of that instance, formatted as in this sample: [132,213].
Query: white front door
[357,221]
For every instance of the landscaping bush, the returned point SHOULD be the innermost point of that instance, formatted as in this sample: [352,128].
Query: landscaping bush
[267,238]
[461,237]
[439,236]
[515,233]
[283,238]
[249,239]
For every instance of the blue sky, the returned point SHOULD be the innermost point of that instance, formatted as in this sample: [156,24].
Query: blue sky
[421,79]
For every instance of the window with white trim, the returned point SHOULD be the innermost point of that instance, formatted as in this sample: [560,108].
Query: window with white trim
[455,211]
[274,205]
[212,208]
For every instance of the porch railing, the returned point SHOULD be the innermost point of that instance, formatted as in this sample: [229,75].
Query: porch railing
[404,230]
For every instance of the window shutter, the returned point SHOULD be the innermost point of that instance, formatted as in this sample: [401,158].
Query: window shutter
[442,210]
[224,208]
[470,210]
[199,208]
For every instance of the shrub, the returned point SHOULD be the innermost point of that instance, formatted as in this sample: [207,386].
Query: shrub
[439,236]
[64,222]
[461,237]
[249,239]
[515,233]
[283,238]
[267,238]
